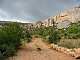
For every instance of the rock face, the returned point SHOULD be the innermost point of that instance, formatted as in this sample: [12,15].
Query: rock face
[47,22]
[72,15]
[63,24]
[63,19]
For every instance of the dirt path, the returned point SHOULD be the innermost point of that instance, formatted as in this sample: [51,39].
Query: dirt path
[30,52]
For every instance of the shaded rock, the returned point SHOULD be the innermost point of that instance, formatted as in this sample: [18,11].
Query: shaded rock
[77,57]
[39,49]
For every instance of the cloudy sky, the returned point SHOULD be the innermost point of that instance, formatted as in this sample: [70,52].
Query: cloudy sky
[32,10]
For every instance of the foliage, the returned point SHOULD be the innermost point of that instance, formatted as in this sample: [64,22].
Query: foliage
[73,32]
[71,36]
[54,37]
[49,33]
[43,31]
[11,36]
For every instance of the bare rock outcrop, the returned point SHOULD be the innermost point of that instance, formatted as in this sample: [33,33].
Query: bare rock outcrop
[63,19]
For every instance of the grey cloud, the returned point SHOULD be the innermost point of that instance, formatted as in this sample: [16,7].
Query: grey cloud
[31,9]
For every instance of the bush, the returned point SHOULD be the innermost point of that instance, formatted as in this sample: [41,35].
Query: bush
[54,37]
[47,33]
[73,32]
[11,36]
[42,31]
[27,36]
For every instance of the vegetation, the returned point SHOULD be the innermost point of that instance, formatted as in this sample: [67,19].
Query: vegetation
[54,35]
[11,36]
[71,36]
[73,32]
[49,33]
[43,31]
[70,43]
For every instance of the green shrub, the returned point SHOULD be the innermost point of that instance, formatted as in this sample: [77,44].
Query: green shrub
[11,36]
[43,31]
[73,32]
[54,37]
[27,36]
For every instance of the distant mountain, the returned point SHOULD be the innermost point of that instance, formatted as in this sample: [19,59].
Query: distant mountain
[72,15]
[4,22]
[64,18]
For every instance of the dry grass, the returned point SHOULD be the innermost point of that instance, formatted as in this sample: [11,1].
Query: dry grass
[70,43]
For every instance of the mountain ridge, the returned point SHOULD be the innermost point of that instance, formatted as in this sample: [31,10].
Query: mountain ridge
[63,19]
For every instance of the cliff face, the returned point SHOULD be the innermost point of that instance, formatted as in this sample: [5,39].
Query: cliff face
[72,15]
[63,19]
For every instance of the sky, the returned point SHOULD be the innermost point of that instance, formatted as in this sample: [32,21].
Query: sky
[32,10]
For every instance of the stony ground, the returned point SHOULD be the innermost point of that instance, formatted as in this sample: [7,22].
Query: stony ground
[30,52]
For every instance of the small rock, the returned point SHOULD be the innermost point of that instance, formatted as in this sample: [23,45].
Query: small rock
[77,50]
[77,57]
[72,54]
[39,49]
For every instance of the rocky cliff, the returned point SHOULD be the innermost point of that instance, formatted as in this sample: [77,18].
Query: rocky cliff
[72,15]
[63,19]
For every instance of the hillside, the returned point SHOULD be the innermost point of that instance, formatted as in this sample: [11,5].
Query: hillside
[72,15]
[63,19]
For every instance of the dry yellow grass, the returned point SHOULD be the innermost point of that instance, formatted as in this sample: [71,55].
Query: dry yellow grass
[70,43]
